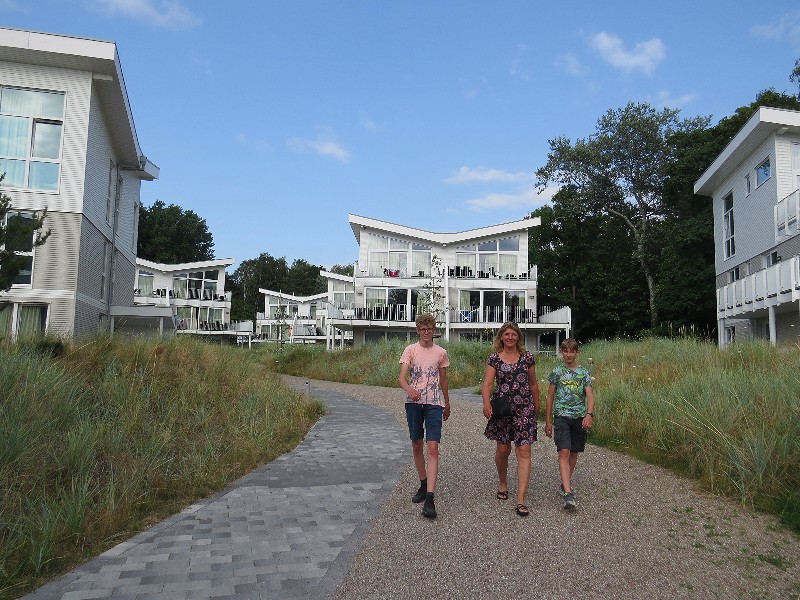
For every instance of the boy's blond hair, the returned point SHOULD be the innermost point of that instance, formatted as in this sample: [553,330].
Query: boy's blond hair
[425,320]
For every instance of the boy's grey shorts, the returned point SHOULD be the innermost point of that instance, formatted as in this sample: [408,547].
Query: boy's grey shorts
[568,433]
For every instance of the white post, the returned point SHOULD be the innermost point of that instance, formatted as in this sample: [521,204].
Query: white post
[773,334]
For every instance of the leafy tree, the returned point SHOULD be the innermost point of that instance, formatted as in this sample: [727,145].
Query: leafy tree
[17,235]
[621,170]
[586,261]
[342,269]
[303,279]
[264,272]
[795,76]
[170,234]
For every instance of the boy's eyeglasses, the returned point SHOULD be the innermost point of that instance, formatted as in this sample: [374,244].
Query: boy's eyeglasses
[427,329]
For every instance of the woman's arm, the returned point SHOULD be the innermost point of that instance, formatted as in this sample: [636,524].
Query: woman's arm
[486,391]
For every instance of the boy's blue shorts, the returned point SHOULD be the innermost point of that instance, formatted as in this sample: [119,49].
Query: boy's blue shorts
[424,420]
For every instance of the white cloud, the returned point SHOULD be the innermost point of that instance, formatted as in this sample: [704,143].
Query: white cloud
[644,56]
[321,146]
[788,26]
[527,201]
[570,63]
[256,144]
[668,101]
[468,175]
[170,14]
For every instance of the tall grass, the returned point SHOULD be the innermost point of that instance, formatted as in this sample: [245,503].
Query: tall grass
[116,434]
[729,418]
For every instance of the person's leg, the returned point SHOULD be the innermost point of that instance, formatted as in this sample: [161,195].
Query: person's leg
[564,469]
[415,431]
[523,471]
[501,455]
[433,465]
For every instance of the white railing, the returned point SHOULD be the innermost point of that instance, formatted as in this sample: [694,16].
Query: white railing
[767,287]
[787,216]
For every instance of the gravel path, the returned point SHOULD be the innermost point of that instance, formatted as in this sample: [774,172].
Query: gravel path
[639,531]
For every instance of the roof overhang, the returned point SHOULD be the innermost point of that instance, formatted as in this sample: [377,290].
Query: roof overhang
[765,122]
[141,311]
[97,57]
[283,296]
[190,266]
[358,223]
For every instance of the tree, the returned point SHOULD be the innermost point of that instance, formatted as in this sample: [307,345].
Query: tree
[20,233]
[265,272]
[343,269]
[586,261]
[795,75]
[170,234]
[621,170]
[303,279]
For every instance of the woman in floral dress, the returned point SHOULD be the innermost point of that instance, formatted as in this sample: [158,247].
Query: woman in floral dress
[513,370]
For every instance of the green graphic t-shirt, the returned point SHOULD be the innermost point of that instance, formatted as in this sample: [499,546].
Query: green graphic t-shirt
[570,396]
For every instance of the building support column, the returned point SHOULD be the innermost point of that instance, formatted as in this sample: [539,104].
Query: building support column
[773,334]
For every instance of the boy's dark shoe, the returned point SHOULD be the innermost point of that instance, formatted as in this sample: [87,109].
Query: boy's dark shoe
[420,495]
[569,501]
[429,509]
[561,489]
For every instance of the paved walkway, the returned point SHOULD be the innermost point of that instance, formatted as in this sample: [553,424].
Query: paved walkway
[287,530]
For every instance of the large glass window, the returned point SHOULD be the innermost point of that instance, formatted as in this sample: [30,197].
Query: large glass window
[343,296]
[145,283]
[31,128]
[493,258]
[728,226]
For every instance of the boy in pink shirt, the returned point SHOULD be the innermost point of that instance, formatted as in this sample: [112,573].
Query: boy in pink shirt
[423,375]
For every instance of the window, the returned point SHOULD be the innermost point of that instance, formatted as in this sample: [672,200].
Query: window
[343,295]
[495,258]
[728,226]
[763,172]
[22,320]
[19,240]
[31,126]
[733,275]
[145,283]
[772,258]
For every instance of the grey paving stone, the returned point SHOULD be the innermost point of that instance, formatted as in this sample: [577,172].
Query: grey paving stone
[287,530]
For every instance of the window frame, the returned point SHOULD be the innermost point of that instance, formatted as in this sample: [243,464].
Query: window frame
[760,169]
[29,253]
[728,227]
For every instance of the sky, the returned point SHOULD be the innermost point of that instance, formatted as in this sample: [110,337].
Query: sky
[273,120]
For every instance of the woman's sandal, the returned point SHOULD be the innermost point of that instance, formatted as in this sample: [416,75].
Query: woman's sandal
[502,495]
[522,510]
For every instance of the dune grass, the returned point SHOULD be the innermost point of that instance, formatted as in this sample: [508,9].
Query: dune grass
[115,435]
[728,418]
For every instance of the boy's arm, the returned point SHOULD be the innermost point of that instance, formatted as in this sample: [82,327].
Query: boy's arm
[588,420]
[403,381]
[548,412]
[445,391]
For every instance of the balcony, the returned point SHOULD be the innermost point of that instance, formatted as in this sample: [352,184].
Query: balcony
[772,286]
[787,216]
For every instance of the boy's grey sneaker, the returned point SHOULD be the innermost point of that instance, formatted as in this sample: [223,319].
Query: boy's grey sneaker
[569,501]
[420,494]
[429,509]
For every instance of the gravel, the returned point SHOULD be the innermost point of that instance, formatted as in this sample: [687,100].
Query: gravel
[639,531]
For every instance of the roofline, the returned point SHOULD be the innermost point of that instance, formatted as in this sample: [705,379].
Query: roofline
[70,52]
[765,121]
[170,268]
[292,297]
[358,222]
[337,276]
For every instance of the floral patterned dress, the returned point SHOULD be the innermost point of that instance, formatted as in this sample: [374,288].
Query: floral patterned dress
[520,425]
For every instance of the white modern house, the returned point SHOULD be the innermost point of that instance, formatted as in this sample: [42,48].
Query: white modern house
[68,145]
[754,185]
[184,297]
[473,281]
[291,319]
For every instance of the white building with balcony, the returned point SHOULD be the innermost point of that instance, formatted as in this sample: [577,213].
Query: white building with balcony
[184,298]
[754,186]
[473,281]
[291,319]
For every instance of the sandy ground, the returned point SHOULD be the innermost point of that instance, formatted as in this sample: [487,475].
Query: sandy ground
[639,531]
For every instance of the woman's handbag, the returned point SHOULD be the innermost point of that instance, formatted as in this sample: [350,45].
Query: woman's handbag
[501,405]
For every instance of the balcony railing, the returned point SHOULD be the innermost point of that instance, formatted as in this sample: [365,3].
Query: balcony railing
[787,216]
[766,287]
[375,269]
[161,296]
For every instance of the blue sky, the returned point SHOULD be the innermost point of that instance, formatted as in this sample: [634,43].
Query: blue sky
[275,119]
